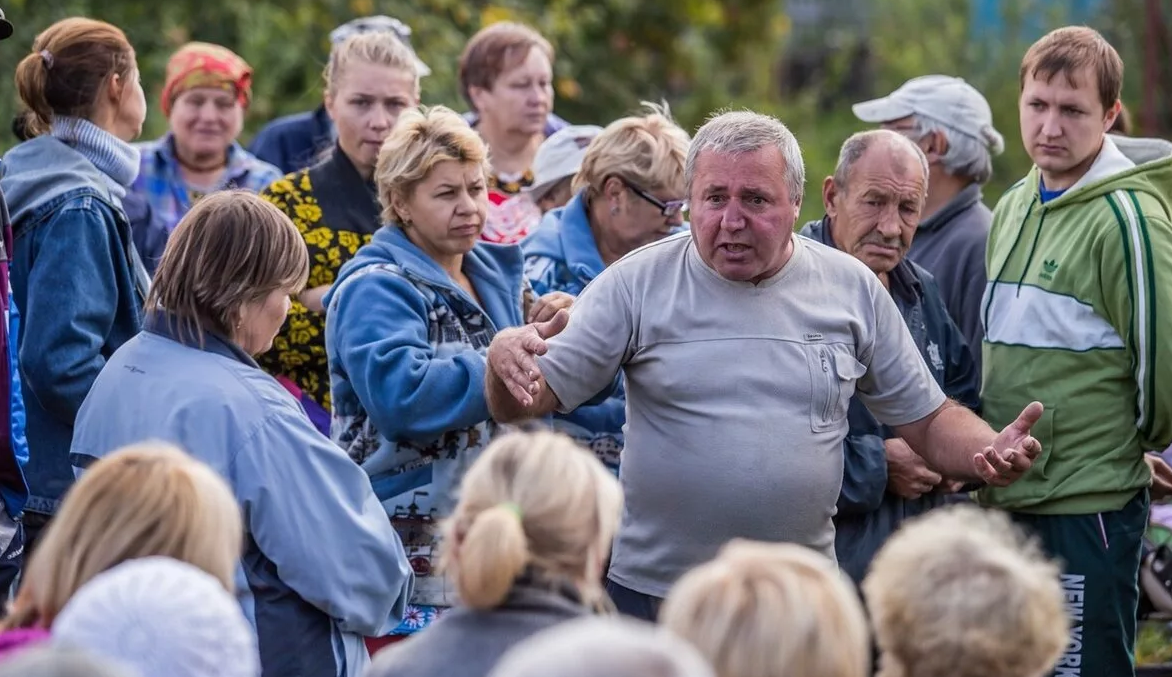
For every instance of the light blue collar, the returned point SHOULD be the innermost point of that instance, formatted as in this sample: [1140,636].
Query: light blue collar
[116,159]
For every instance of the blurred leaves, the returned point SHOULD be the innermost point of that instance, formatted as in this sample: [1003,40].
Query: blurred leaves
[699,55]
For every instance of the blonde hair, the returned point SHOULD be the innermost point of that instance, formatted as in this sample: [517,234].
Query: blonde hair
[143,500]
[532,501]
[649,150]
[765,609]
[380,48]
[231,249]
[420,140]
[962,592]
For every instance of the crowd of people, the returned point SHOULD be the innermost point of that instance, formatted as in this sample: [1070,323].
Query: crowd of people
[399,391]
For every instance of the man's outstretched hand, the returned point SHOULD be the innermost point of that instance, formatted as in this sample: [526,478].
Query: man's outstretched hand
[512,356]
[1013,451]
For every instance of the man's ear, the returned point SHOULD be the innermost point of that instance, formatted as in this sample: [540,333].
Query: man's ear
[830,193]
[1112,113]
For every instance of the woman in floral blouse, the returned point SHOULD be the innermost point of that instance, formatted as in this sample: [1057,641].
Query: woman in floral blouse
[371,78]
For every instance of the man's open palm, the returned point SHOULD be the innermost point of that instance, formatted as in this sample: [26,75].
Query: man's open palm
[1013,451]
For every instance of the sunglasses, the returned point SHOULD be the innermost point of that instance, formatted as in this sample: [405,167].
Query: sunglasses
[668,209]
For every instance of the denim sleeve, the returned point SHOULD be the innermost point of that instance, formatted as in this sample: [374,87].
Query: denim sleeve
[338,551]
[69,308]
[378,331]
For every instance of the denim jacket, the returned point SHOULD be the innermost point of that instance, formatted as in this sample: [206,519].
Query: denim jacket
[74,282]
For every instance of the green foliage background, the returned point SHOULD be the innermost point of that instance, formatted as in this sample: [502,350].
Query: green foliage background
[699,55]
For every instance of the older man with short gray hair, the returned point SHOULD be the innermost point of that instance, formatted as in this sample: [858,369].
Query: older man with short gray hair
[952,123]
[741,346]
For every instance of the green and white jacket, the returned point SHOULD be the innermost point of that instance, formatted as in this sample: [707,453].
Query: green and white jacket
[1078,315]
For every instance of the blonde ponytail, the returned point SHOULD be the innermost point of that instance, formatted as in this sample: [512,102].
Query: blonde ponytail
[533,504]
[493,553]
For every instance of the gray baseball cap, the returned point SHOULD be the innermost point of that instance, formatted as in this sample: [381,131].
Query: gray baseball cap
[559,156]
[371,24]
[948,100]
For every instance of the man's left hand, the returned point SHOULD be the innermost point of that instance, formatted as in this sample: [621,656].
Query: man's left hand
[1013,451]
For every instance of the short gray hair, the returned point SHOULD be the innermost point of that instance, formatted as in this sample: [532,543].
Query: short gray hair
[967,156]
[857,145]
[740,132]
[597,646]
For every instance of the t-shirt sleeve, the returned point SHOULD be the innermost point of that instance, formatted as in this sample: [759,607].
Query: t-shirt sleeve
[898,387]
[584,359]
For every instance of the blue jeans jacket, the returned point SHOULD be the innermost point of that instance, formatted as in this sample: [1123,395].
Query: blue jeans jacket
[73,283]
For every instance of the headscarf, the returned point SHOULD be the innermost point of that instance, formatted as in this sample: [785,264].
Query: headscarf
[200,64]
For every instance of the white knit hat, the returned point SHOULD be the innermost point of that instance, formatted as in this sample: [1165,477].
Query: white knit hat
[161,617]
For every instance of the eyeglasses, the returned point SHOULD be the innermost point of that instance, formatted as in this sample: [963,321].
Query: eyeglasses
[667,209]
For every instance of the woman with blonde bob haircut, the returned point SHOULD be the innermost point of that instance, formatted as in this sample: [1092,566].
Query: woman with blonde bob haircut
[524,548]
[408,325]
[141,501]
[629,193]
[221,293]
[767,609]
[962,592]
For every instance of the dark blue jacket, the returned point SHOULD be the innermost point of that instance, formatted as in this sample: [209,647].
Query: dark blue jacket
[74,282]
[293,142]
[867,512]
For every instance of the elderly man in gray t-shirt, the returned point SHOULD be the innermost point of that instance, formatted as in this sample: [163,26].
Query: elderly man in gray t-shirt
[742,346]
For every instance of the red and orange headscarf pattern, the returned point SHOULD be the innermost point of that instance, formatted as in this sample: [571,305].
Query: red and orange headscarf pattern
[201,64]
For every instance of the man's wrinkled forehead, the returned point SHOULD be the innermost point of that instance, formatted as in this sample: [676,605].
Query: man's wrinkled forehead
[732,172]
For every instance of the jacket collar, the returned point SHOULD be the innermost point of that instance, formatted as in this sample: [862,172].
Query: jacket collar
[496,271]
[163,152]
[166,324]
[967,197]
[903,280]
[1109,162]
[348,202]
[577,240]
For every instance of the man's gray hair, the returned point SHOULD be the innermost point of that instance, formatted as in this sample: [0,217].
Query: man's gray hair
[967,157]
[603,647]
[740,132]
[857,144]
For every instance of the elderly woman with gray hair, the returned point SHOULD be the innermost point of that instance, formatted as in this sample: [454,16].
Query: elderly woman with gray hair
[629,193]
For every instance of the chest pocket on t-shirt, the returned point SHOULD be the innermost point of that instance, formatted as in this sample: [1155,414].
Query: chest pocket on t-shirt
[833,372]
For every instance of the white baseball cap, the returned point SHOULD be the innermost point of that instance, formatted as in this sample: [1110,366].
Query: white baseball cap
[943,98]
[559,156]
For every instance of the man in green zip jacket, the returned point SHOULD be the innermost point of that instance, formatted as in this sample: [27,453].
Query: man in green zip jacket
[1078,315]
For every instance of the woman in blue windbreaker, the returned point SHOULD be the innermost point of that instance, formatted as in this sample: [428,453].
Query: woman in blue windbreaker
[630,192]
[408,324]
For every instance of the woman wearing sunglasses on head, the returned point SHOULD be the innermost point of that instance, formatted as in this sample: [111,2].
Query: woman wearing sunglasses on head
[629,193]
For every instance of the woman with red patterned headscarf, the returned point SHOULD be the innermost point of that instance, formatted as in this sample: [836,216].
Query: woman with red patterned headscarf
[207,90]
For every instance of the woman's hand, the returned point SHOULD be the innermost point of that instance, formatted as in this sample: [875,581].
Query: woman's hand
[311,298]
[548,305]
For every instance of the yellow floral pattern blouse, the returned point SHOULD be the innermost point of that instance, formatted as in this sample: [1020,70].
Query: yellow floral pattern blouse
[335,220]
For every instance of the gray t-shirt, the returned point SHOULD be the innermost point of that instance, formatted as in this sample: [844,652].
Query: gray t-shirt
[737,396]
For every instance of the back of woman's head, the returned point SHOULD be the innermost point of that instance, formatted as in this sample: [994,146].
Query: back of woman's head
[760,610]
[420,140]
[52,661]
[232,248]
[537,502]
[648,150]
[143,500]
[378,48]
[69,67]
[963,592]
